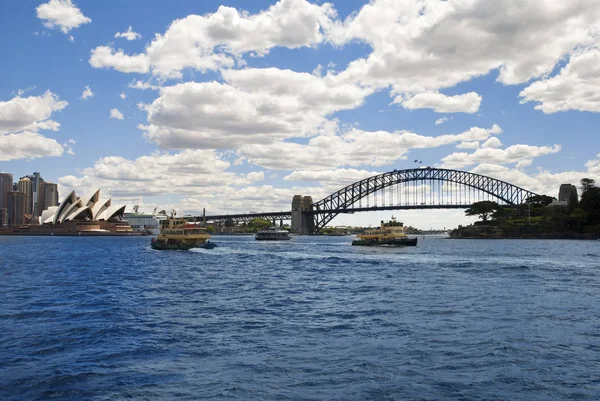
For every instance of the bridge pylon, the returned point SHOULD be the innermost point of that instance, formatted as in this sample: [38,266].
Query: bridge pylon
[302,219]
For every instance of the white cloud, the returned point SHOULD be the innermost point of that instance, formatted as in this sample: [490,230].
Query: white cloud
[213,41]
[468,145]
[129,34]
[576,87]
[107,57]
[27,145]
[339,177]
[251,198]
[123,95]
[61,14]
[30,113]
[429,45]
[353,148]
[441,120]
[188,172]
[512,155]
[467,103]
[116,114]
[544,181]
[252,106]
[493,142]
[87,93]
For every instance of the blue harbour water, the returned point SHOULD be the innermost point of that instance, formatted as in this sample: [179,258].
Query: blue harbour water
[309,319]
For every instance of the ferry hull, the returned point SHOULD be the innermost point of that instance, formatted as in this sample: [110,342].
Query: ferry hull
[396,242]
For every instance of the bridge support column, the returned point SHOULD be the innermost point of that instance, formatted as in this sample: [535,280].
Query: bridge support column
[302,219]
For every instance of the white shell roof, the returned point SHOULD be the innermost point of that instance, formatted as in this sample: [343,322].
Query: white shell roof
[64,205]
[111,212]
[70,210]
[89,206]
[79,213]
[93,198]
[100,207]
[48,214]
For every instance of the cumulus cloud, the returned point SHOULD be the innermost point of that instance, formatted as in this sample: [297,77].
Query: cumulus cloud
[543,181]
[467,103]
[337,177]
[212,41]
[576,87]
[250,198]
[188,172]
[514,154]
[30,113]
[123,95]
[62,14]
[428,45]
[27,145]
[129,34]
[87,93]
[353,148]
[252,106]
[107,57]
[468,145]
[116,114]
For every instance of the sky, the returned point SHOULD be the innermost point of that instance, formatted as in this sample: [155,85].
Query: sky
[236,106]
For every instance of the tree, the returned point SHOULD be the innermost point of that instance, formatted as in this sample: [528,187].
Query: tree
[256,225]
[590,203]
[587,184]
[539,200]
[482,209]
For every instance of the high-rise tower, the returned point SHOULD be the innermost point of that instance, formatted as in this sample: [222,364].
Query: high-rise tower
[6,184]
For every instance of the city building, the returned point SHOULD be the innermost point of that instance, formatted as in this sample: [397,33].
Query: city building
[87,215]
[567,192]
[16,208]
[47,196]
[6,185]
[25,185]
[3,217]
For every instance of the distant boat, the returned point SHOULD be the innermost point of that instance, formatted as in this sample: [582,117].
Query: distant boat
[272,234]
[392,233]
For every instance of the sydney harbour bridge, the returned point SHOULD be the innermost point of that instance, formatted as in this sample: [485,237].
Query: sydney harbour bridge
[416,188]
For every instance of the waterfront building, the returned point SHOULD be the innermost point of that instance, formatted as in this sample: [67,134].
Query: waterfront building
[47,195]
[3,217]
[25,185]
[36,180]
[567,192]
[16,208]
[6,184]
[87,213]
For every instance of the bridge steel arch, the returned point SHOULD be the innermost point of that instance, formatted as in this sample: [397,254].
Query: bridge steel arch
[343,200]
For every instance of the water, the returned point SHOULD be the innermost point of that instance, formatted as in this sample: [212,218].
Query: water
[311,318]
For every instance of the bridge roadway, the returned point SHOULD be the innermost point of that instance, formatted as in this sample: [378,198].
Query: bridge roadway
[288,215]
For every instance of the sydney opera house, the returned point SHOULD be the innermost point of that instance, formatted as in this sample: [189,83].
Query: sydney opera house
[79,216]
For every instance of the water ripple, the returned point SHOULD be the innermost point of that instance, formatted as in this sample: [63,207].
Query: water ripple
[314,318]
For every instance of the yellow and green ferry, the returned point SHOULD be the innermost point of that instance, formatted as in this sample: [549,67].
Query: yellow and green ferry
[392,233]
[179,234]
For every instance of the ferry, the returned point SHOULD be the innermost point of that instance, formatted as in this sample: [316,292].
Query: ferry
[272,234]
[392,233]
[178,234]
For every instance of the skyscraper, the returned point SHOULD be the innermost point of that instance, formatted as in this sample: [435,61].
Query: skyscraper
[36,180]
[3,217]
[6,183]
[26,186]
[47,196]
[16,208]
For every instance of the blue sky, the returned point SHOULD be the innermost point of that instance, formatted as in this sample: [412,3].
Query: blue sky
[246,98]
